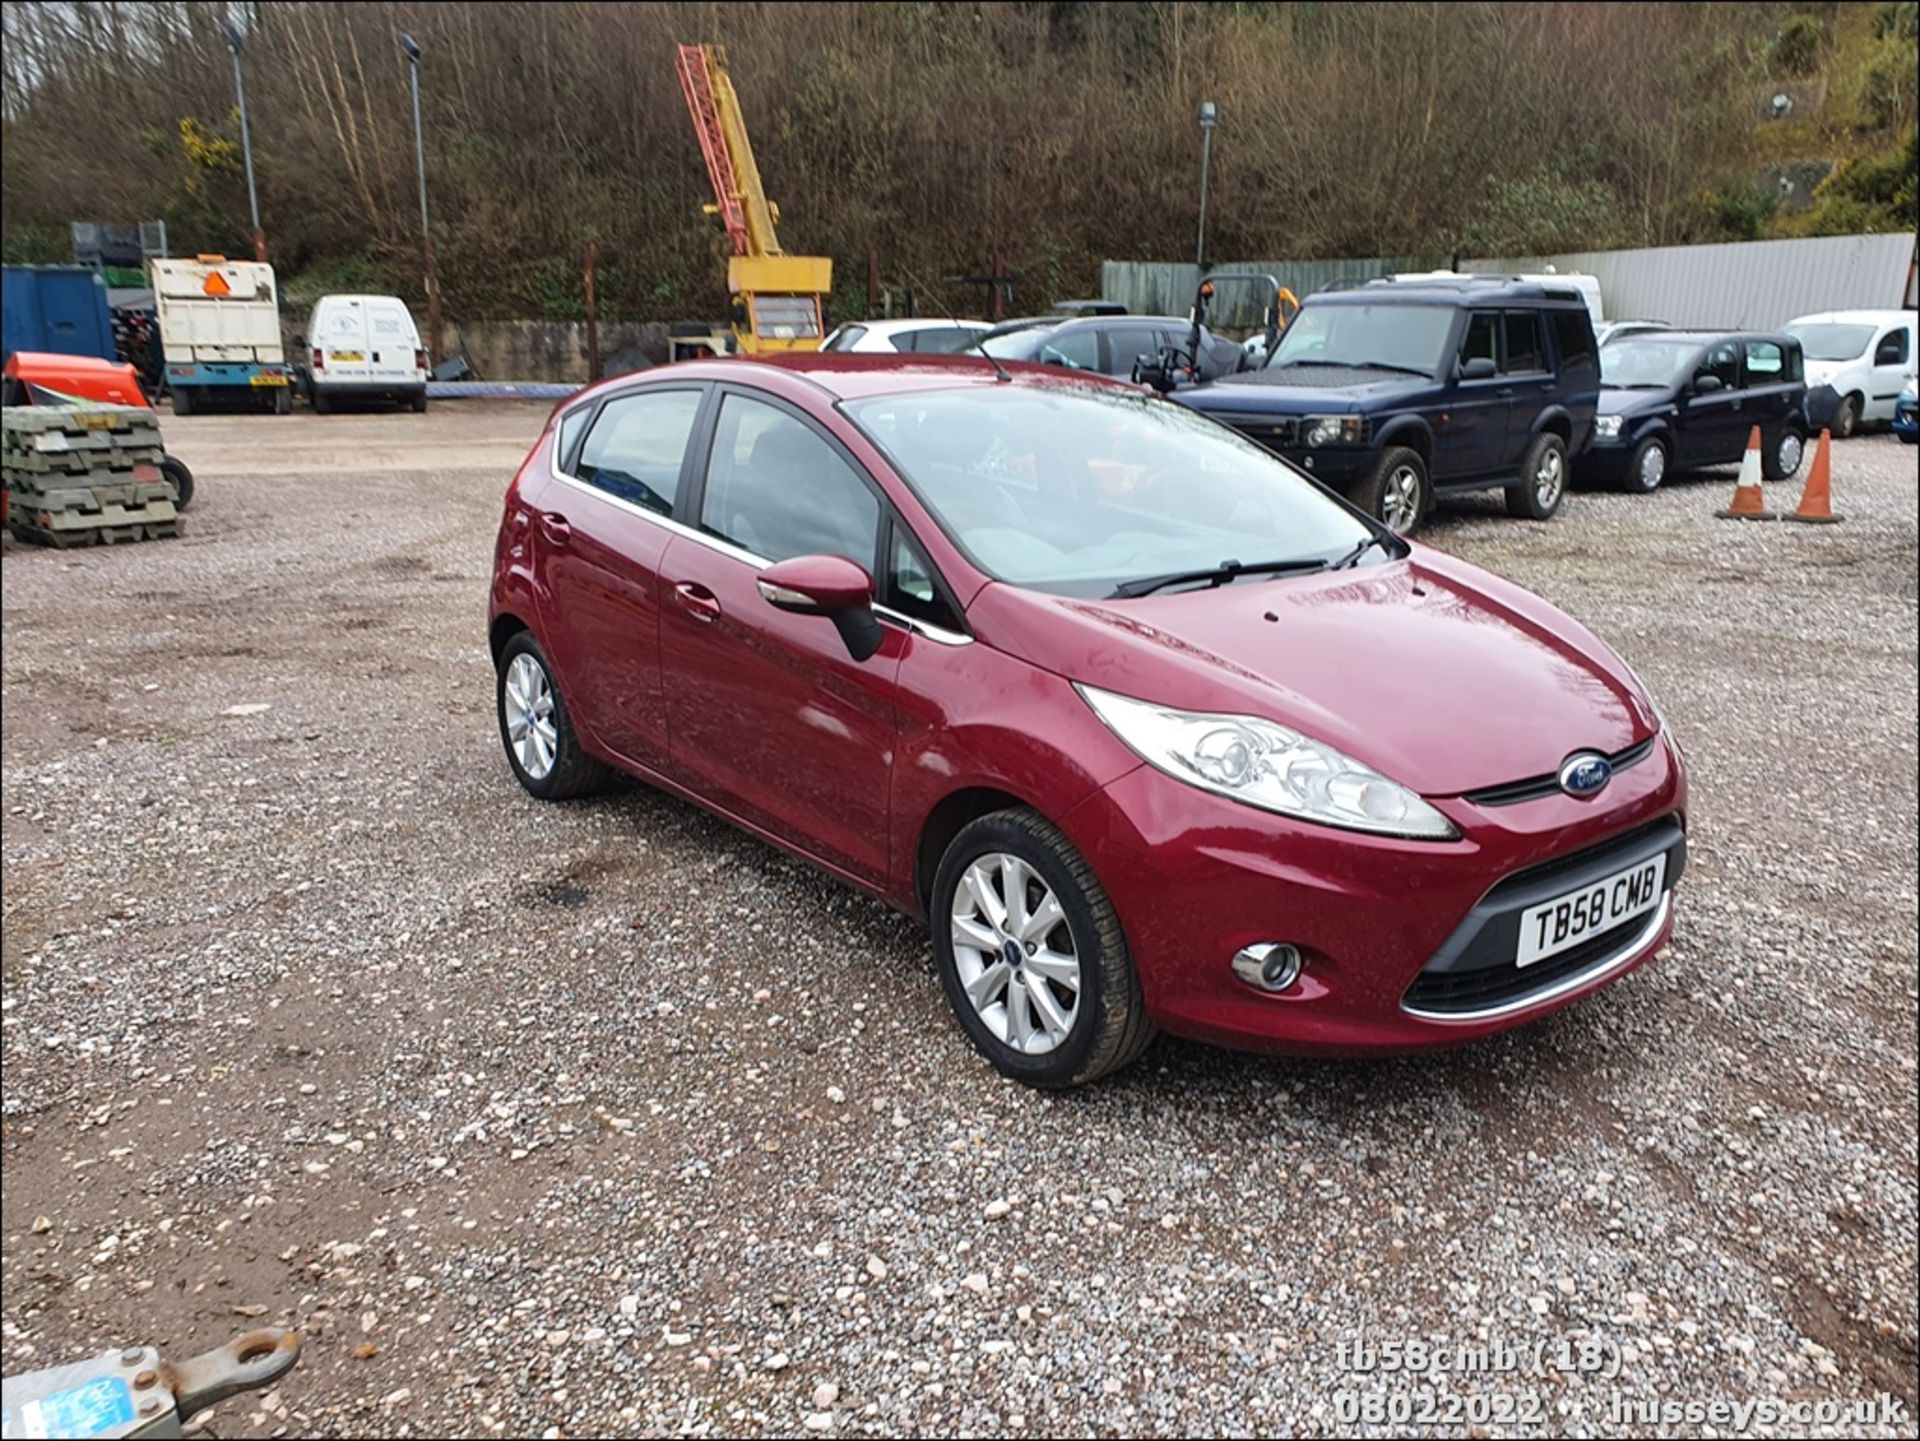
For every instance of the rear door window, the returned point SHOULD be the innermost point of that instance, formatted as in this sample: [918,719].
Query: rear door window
[1126,344]
[1524,352]
[635,449]
[778,488]
[1766,365]
[1573,340]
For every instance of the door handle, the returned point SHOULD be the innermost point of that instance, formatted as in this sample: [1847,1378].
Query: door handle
[1504,390]
[554,527]
[697,601]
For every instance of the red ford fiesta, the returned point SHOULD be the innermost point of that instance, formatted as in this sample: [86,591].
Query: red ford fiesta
[1153,730]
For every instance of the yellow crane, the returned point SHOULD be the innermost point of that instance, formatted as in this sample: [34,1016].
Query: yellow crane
[777,298]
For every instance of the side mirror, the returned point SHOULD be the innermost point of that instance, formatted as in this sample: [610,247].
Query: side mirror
[1707,384]
[1479,368]
[830,586]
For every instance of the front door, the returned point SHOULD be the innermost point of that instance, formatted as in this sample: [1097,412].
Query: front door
[1893,367]
[600,543]
[1716,421]
[1476,413]
[770,717]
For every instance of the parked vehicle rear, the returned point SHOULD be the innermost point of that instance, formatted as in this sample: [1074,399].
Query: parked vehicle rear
[364,347]
[219,323]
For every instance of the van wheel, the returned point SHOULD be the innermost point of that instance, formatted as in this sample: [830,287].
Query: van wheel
[181,479]
[1536,495]
[1846,420]
[420,403]
[1397,494]
[283,400]
[182,401]
[321,405]
[1031,954]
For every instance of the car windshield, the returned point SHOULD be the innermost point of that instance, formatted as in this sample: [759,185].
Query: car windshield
[1641,362]
[1390,337]
[1078,491]
[1827,341]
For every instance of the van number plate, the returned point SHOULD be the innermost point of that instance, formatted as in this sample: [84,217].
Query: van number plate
[349,355]
[1553,926]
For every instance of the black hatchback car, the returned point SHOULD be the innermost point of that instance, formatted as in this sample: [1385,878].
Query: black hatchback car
[1673,400]
[1398,391]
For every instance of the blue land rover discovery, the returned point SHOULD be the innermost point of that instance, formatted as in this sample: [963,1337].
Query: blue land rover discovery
[1396,392]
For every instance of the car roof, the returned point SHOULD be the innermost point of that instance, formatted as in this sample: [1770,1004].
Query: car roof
[1450,290]
[1084,322]
[1706,337]
[1853,317]
[924,322]
[850,375]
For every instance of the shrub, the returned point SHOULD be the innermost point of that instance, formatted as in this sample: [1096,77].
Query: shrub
[1799,45]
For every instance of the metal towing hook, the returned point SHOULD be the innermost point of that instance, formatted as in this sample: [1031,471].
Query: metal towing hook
[135,1393]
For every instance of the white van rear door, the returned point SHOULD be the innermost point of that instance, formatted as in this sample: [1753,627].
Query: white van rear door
[393,341]
[343,326]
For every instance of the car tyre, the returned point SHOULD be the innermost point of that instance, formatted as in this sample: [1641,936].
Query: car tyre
[283,401]
[182,402]
[1846,420]
[1107,1026]
[1780,460]
[1543,479]
[1398,493]
[1646,467]
[535,728]
[419,402]
[322,404]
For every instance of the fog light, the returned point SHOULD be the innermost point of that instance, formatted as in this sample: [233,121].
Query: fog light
[1269,966]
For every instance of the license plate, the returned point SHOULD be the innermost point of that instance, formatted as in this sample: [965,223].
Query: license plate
[269,380]
[353,355]
[1553,926]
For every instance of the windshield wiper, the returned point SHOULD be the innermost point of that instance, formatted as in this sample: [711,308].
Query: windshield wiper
[1352,557]
[1219,575]
[1383,365]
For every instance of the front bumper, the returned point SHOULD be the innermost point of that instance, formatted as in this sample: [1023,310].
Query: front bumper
[1606,459]
[1407,944]
[1906,420]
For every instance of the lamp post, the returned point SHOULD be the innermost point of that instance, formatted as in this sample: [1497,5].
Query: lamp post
[412,47]
[232,33]
[1209,117]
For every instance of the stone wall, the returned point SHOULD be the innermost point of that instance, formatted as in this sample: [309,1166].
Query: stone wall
[554,351]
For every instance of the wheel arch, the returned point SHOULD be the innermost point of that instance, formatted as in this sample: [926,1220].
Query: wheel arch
[950,815]
[1410,431]
[1555,420]
[503,628]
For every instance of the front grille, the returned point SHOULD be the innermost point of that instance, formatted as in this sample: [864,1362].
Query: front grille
[1276,432]
[1534,787]
[1445,992]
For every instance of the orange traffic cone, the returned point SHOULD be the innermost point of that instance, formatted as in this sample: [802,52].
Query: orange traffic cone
[1748,501]
[1816,501]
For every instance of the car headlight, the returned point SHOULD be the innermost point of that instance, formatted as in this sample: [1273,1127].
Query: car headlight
[1334,430]
[1606,427]
[1259,763]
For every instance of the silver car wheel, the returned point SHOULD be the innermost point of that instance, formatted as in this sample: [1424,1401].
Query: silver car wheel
[1789,455]
[1015,954]
[1548,477]
[1400,501]
[531,730]
[1653,467]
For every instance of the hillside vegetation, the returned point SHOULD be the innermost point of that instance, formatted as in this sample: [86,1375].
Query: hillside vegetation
[939,136]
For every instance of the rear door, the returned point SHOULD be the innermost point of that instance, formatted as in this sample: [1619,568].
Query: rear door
[1126,344]
[599,542]
[393,344]
[1716,421]
[1772,397]
[771,718]
[1474,424]
[343,342]
[1527,379]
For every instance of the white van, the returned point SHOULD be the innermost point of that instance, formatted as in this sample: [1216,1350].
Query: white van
[1865,355]
[365,347]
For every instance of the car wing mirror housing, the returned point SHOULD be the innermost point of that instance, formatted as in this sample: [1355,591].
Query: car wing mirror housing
[1479,368]
[826,585]
[1706,384]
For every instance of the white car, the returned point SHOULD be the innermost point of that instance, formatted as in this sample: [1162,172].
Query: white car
[364,347]
[926,336]
[1865,355]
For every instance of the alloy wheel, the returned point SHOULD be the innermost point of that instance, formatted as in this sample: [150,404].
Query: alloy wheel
[1015,954]
[1653,467]
[1789,454]
[1400,503]
[1549,477]
[530,724]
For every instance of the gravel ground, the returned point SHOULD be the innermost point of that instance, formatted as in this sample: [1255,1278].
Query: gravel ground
[562,1120]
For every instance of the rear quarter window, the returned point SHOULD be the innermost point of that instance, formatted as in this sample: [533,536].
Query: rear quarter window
[635,448]
[1573,343]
